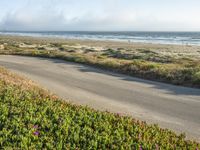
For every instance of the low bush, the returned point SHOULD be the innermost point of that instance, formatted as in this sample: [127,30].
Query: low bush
[30,118]
[196,77]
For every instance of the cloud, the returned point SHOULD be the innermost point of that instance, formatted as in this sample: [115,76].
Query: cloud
[32,21]
[53,20]
[95,15]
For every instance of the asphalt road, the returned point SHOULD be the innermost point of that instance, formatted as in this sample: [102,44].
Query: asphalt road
[177,108]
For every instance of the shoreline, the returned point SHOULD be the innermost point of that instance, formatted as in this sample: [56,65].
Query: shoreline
[129,42]
[90,41]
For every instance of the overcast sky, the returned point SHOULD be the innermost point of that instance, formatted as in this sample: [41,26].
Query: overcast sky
[103,15]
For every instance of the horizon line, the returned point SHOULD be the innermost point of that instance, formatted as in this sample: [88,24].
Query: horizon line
[94,31]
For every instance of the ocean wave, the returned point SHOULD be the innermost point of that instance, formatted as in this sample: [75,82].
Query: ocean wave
[180,38]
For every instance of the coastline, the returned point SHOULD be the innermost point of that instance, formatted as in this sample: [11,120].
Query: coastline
[192,50]
[148,37]
[94,42]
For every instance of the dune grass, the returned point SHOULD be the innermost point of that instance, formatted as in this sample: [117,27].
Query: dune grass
[147,63]
[31,118]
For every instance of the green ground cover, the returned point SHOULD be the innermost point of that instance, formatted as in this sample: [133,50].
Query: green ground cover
[31,118]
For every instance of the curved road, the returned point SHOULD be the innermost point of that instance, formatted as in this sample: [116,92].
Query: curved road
[177,108]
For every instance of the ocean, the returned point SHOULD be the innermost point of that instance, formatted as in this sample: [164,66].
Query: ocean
[179,38]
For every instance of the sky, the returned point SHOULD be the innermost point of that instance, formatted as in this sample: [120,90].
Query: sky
[100,15]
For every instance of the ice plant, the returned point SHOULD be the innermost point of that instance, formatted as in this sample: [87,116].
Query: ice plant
[79,127]
[36,133]
[35,126]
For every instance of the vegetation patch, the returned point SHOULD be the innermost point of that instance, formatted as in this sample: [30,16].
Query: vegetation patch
[31,118]
[160,64]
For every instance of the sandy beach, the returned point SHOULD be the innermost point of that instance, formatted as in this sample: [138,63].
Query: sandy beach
[163,49]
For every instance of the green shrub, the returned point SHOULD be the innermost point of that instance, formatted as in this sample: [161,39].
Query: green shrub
[196,77]
[32,119]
